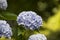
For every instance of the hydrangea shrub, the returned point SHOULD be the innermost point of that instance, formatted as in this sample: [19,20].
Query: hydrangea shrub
[5,29]
[37,37]
[3,4]
[29,19]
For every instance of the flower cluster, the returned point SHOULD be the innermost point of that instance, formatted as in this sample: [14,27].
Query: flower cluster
[5,29]
[29,19]
[37,37]
[3,4]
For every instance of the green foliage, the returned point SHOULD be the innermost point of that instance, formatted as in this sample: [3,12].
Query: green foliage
[8,16]
[45,8]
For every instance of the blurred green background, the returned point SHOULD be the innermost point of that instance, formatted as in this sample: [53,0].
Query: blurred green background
[49,10]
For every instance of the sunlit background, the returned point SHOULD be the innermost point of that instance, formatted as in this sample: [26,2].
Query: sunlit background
[49,10]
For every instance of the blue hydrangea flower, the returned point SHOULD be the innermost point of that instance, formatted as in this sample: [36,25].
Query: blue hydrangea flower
[5,29]
[29,19]
[3,4]
[37,37]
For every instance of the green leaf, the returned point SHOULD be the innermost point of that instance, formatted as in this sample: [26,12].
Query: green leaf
[2,17]
[10,16]
[19,32]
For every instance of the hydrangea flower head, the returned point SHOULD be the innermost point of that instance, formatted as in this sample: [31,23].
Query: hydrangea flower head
[29,19]
[3,4]
[37,37]
[5,29]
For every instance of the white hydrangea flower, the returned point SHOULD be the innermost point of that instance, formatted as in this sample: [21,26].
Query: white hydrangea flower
[3,4]
[29,19]
[5,29]
[37,37]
